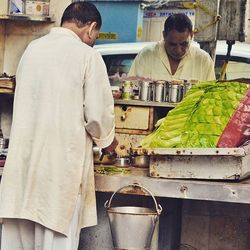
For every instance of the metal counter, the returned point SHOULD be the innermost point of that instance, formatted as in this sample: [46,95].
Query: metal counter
[225,191]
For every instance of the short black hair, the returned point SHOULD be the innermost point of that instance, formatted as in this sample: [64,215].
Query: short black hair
[179,22]
[82,13]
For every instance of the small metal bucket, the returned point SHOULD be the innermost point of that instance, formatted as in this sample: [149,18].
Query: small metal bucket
[132,227]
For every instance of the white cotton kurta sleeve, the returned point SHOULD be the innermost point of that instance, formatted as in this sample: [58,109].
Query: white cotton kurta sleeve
[98,103]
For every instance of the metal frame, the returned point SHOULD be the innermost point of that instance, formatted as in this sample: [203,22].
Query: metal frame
[223,191]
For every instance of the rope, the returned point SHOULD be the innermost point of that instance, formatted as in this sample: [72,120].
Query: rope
[216,17]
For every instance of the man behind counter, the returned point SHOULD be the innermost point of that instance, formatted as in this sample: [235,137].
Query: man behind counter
[175,57]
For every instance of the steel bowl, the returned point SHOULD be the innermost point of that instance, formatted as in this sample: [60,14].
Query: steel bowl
[122,162]
[140,161]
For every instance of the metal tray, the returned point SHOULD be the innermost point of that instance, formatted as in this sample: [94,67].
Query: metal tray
[198,163]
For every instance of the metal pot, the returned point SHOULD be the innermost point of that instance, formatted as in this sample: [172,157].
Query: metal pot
[122,162]
[106,159]
[140,161]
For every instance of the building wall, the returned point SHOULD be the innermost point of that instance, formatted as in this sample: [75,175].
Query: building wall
[248,22]
[14,37]
[17,37]
[215,225]
[2,43]
[122,18]
[153,22]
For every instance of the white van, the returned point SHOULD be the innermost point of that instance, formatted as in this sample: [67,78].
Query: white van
[119,57]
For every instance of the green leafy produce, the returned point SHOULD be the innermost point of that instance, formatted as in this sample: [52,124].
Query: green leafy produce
[111,170]
[200,118]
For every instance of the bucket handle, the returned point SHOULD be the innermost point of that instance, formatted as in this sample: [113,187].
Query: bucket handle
[158,207]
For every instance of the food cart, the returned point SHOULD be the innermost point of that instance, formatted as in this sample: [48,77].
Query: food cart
[198,185]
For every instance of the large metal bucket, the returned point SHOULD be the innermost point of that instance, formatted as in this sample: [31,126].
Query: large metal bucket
[132,227]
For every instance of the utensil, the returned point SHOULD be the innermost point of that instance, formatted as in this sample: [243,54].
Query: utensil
[102,155]
[122,162]
[159,87]
[140,161]
[101,158]
[144,96]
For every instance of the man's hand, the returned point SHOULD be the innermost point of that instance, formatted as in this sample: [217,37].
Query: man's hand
[110,148]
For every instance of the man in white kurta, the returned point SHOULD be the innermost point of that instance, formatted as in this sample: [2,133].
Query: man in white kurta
[174,58]
[63,102]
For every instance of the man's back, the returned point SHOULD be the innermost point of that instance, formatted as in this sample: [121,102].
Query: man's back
[57,90]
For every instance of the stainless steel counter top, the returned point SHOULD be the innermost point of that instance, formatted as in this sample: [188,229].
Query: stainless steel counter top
[225,191]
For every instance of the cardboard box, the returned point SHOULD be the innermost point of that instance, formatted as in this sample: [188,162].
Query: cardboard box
[37,8]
